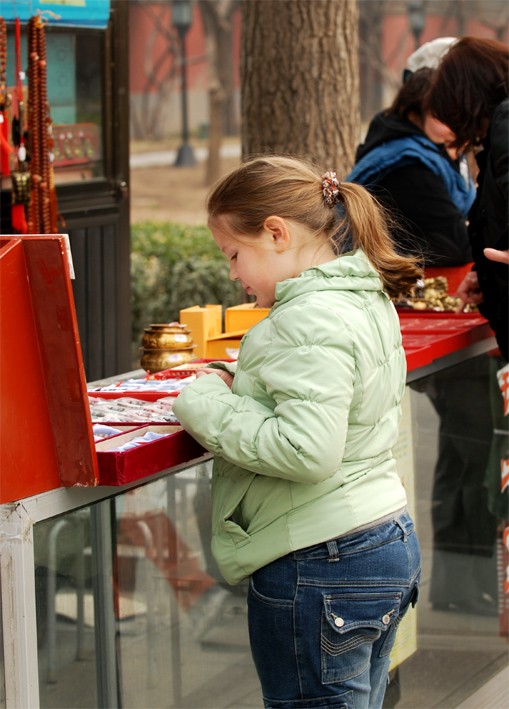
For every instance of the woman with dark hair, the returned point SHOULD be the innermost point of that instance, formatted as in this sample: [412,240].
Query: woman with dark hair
[414,163]
[407,164]
[470,94]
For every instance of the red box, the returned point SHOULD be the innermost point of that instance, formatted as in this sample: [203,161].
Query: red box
[42,378]
[176,373]
[121,467]
[430,335]
[143,395]
[43,390]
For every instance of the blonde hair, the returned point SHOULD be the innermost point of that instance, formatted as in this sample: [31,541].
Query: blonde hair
[292,188]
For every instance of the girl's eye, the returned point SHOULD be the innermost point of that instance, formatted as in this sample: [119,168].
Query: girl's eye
[232,258]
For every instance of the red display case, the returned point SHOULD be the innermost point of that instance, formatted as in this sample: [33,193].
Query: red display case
[427,336]
[47,438]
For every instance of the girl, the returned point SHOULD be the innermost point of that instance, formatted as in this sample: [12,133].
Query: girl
[306,500]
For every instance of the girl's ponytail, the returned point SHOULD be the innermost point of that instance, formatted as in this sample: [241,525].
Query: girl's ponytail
[366,225]
[343,212]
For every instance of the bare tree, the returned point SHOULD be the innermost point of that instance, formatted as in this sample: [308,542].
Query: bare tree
[161,75]
[299,79]
[217,24]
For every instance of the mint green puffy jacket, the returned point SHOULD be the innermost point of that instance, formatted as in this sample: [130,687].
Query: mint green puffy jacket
[302,441]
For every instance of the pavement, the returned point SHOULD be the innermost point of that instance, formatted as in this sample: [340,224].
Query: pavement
[168,157]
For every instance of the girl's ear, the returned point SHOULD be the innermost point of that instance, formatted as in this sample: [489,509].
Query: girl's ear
[278,233]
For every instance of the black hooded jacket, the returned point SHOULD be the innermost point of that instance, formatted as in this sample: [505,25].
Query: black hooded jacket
[434,225]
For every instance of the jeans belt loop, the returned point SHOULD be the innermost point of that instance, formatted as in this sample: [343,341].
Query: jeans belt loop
[403,529]
[333,550]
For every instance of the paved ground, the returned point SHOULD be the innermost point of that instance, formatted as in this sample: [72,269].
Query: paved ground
[162,192]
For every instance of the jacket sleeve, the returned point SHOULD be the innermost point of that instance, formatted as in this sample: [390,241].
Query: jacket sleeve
[308,372]
[500,161]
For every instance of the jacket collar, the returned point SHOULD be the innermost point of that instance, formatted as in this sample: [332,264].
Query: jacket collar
[351,271]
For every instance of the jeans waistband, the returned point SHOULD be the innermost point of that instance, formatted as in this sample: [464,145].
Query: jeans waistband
[330,547]
[376,523]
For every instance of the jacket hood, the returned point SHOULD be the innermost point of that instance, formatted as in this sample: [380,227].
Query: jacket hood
[385,128]
[351,271]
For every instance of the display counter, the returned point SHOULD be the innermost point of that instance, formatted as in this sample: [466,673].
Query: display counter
[110,595]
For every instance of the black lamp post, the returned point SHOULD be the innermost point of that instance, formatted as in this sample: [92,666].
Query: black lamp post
[416,18]
[182,17]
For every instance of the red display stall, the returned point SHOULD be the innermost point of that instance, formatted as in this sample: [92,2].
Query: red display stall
[47,438]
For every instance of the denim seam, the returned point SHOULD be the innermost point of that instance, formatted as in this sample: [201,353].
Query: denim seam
[295,648]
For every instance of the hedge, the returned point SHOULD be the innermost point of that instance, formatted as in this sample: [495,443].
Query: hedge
[175,266]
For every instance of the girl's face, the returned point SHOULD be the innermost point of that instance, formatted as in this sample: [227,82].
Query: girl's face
[257,262]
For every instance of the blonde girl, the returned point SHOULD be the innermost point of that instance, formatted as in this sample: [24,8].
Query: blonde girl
[306,498]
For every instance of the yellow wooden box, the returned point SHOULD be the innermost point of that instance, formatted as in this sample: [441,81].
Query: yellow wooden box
[224,346]
[242,317]
[204,323]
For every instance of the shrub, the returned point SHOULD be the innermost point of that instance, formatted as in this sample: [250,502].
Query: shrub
[175,266]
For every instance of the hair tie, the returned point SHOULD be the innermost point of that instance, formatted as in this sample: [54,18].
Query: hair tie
[330,188]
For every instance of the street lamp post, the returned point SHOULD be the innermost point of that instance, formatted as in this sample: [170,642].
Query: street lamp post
[416,18]
[182,17]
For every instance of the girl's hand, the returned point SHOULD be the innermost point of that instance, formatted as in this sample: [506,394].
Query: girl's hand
[496,255]
[225,376]
[469,291]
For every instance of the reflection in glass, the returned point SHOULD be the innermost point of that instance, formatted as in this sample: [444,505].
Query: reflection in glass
[2,666]
[462,637]
[65,610]
[182,631]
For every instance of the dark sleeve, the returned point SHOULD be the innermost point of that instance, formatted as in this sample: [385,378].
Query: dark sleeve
[499,156]
[431,223]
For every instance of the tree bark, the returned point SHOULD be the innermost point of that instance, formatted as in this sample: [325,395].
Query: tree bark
[216,17]
[300,79]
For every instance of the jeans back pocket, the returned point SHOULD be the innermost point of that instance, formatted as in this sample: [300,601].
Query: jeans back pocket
[351,623]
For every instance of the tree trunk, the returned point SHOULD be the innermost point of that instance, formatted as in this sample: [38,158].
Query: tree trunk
[216,18]
[300,79]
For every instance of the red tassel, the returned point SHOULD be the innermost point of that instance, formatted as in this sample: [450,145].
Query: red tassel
[19,222]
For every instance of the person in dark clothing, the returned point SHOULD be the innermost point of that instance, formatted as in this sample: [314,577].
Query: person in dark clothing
[415,167]
[475,73]
[470,93]
[404,162]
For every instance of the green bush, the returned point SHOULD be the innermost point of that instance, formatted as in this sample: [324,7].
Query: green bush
[175,266]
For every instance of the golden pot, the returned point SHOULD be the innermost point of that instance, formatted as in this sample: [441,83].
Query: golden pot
[155,360]
[172,336]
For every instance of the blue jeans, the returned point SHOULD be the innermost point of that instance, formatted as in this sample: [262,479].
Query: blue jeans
[322,620]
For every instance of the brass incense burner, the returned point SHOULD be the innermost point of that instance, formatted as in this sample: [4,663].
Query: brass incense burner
[166,345]
[171,336]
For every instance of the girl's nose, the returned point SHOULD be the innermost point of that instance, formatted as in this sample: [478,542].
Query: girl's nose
[233,272]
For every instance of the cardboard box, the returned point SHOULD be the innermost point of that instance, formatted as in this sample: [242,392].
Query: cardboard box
[121,467]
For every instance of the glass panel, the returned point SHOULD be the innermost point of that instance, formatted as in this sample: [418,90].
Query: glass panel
[171,633]
[182,631]
[75,94]
[64,586]
[2,666]
[462,638]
